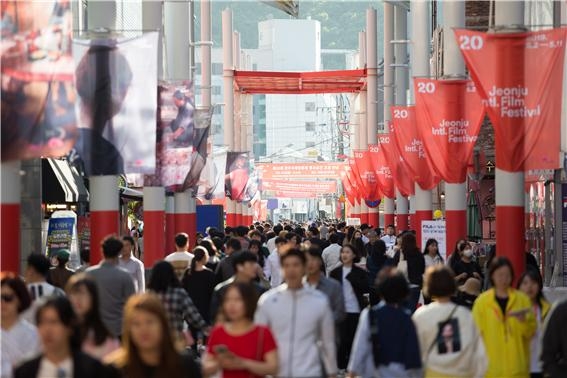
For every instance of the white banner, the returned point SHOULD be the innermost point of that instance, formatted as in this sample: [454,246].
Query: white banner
[435,230]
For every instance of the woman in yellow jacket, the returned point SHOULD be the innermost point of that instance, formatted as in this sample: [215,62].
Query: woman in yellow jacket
[531,284]
[506,322]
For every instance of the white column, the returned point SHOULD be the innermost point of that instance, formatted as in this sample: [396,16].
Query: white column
[206,53]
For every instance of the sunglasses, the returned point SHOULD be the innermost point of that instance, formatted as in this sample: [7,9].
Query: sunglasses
[8,298]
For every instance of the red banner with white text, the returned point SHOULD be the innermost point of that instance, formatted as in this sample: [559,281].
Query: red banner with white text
[307,186]
[382,168]
[367,175]
[402,177]
[519,76]
[449,116]
[349,190]
[410,147]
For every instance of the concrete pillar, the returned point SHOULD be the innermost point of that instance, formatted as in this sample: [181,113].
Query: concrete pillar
[185,216]
[371,93]
[228,86]
[389,204]
[362,120]
[169,223]
[104,200]
[154,225]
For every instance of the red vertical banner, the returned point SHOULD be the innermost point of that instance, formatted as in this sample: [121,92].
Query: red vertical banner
[367,175]
[382,170]
[519,77]
[449,116]
[399,170]
[410,147]
[354,178]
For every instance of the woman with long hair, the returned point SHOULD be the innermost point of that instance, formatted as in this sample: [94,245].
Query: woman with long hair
[411,263]
[531,284]
[506,322]
[148,343]
[199,282]
[211,248]
[20,340]
[431,253]
[61,356]
[177,303]
[237,347]
[95,338]
[354,282]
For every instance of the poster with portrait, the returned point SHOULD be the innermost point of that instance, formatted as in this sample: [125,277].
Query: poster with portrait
[211,183]
[448,336]
[38,94]
[115,81]
[237,175]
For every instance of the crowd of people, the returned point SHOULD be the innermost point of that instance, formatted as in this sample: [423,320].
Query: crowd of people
[285,300]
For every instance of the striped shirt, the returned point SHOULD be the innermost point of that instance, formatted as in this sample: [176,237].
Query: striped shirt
[19,343]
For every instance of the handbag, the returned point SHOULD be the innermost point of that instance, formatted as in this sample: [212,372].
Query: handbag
[403,265]
[435,339]
[259,347]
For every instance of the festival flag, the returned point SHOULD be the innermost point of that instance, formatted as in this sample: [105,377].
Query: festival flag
[519,77]
[237,175]
[449,116]
[367,175]
[382,169]
[410,147]
[399,170]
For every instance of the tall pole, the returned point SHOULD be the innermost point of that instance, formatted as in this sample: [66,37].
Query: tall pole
[362,129]
[371,93]
[454,67]
[169,223]
[246,133]
[206,54]
[177,38]
[104,196]
[420,67]
[237,114]
[10,216]
[154,196]
[510,227]
[401,86]
[389,204]
[228,87]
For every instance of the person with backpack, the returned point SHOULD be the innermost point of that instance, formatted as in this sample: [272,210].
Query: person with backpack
[392,350]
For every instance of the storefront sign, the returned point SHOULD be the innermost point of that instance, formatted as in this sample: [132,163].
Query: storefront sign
[59,234]
[435,230]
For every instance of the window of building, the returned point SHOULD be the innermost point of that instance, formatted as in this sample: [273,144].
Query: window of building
[309,126]
[309,106]
[217,69]
[309,144]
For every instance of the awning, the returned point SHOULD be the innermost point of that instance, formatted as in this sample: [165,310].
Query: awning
[61,183]
[131,194]
[266,82]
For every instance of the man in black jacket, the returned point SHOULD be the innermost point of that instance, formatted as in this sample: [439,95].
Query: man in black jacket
[554,352]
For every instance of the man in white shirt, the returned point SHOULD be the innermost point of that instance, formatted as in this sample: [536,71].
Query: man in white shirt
[364,228]
[390,237]
[272,269]
[332,254]
[132,265]
[180,259]
[271,243]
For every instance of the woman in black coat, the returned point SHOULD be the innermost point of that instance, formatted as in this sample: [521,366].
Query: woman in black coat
[354,282]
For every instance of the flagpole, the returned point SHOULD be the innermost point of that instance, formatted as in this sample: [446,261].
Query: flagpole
[228,94]
[454,66]
[362,120]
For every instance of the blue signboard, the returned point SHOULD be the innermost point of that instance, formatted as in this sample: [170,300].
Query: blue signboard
[59,234]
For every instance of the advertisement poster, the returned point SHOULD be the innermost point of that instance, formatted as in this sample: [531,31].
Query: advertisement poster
[319,170]
[237,175]
[38,94]
[435,230]
[59,234]
[211,183]
[84,232]
[182,138]
[115,81]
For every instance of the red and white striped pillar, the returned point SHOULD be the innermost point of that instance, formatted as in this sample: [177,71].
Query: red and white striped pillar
[154,225]
[420,14]
[10,216]
[169,223]
[389,203]
[510,227]
[105,219]
[402,212]
[185,216]
[454,65]
[228,94]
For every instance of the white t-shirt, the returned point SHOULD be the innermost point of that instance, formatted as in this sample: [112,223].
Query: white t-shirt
[351,303]
[19,343]
[390,241]
[179,256]
[272,268]
[331,257]
[49,369]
